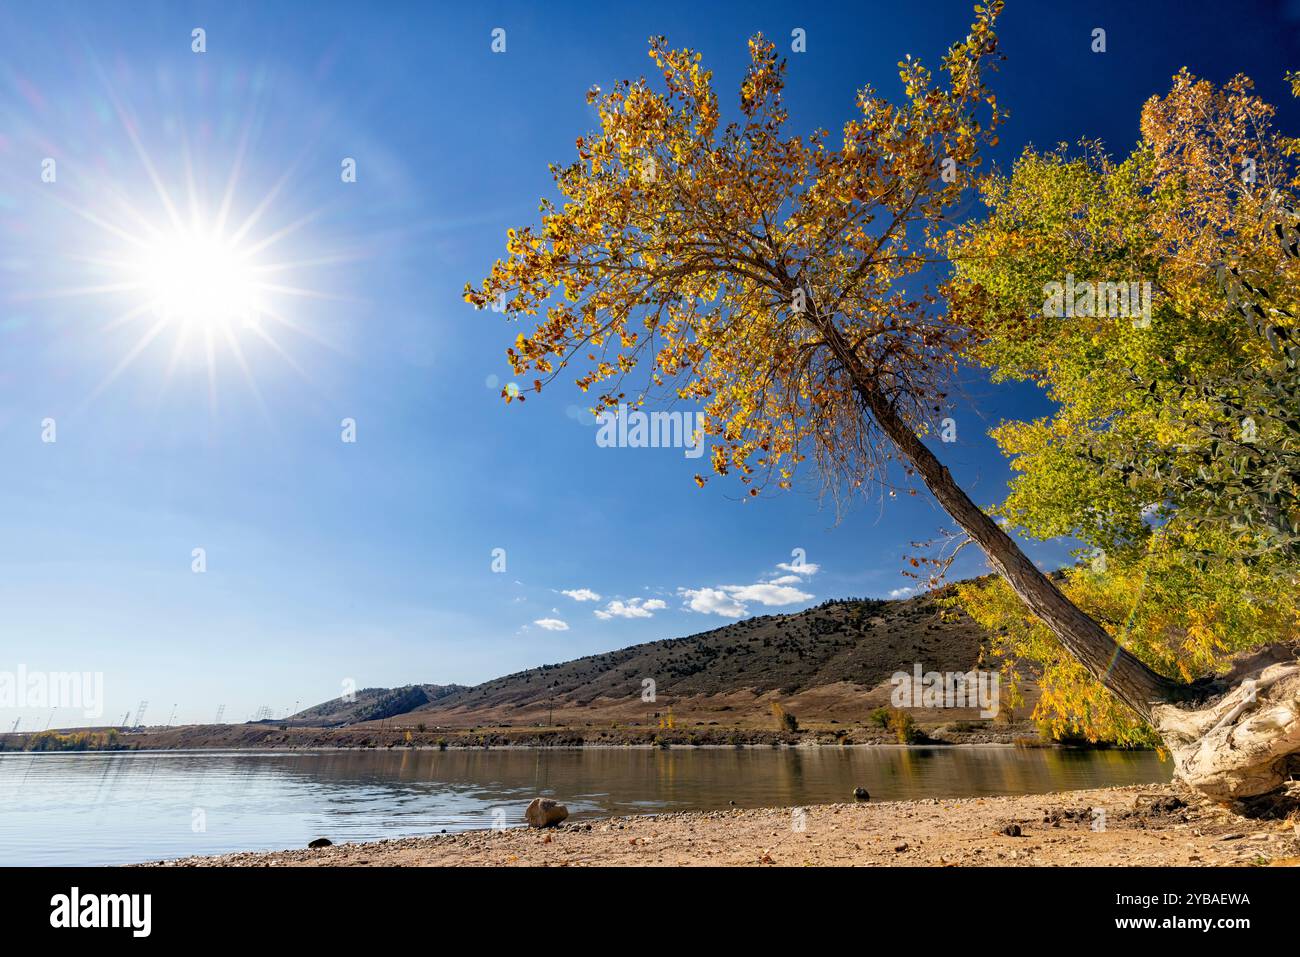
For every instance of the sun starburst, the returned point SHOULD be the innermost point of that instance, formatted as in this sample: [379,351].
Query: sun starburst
[194,269]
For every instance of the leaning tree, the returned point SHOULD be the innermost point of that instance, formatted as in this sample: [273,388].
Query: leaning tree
[778,281]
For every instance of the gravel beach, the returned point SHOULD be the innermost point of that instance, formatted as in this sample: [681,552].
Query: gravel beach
[1131,826]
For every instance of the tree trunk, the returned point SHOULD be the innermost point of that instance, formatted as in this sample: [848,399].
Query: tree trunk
[1131,681]
[1124,675]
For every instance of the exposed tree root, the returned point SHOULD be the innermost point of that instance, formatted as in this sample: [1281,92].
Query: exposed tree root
[1243,744]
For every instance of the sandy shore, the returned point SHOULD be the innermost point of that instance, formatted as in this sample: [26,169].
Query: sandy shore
[1141,825]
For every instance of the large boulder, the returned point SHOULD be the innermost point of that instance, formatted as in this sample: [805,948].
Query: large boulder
[543,812]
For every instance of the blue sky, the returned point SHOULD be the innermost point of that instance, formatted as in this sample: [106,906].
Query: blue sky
[371,560]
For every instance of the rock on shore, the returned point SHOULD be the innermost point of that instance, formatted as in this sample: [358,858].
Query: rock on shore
[543,812]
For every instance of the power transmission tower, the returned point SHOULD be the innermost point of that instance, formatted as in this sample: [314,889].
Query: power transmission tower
[172,718]
[221,709]
[139,713]
[15,727]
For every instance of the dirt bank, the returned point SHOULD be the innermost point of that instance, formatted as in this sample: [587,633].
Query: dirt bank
[1142,825]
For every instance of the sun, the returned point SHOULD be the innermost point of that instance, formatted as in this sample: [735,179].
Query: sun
[210,258]
[204,279]
[198,278]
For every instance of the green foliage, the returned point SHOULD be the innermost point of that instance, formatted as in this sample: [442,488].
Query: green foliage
[1245,480]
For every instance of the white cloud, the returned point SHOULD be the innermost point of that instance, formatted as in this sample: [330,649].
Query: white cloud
[632,608]
[712,601]
[800,568]
[581,594]
[902,592]
[768,594]
[730,601]
[552,624]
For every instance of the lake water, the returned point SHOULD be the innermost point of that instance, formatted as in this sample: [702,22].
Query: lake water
[114,808]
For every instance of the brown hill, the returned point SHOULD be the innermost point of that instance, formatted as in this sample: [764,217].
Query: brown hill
[828,664]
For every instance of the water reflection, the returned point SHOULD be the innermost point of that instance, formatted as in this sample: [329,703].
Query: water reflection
[115,808]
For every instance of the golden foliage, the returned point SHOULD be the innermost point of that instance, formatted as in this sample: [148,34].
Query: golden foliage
[717,255]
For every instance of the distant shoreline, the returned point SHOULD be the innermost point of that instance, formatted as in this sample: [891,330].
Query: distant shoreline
[563,747]
[248,737]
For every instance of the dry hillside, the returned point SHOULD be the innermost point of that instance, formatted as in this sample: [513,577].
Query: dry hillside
[828,664]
